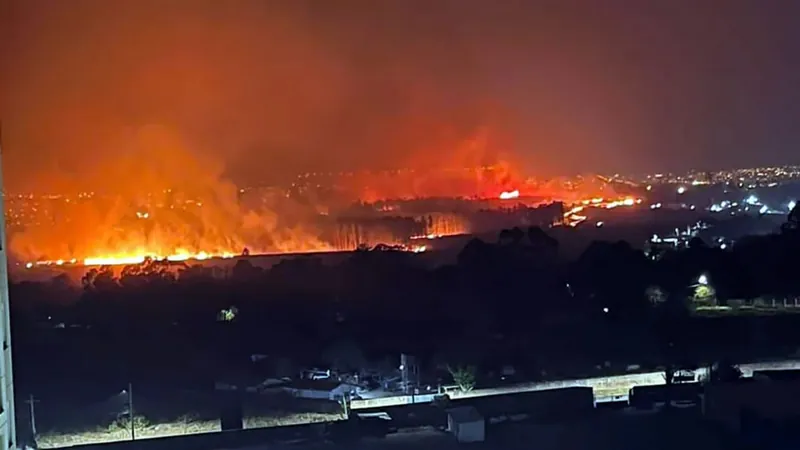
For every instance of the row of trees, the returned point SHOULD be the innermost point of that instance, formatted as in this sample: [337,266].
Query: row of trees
[511,299]
[614,274]
[521,271]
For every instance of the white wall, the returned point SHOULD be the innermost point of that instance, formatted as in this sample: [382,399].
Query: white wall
[637,379]
[470,431]
[310,393]
[7,422]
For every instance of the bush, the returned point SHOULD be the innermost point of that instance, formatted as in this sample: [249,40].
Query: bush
[124,423]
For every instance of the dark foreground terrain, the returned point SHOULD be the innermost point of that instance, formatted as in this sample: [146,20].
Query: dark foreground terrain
[606,430]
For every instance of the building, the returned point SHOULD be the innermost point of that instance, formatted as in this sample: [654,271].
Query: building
[8,438]
[466,424]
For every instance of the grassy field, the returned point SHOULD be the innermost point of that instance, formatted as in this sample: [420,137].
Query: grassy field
[145,430]
[171,413]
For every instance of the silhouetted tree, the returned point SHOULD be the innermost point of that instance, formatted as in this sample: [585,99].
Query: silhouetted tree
[244,271]
[344,355]
[724,371]
[99,278]
[655,295]
[792,224]
[463,377]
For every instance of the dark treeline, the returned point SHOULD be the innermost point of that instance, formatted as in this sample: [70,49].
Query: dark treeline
[514,301]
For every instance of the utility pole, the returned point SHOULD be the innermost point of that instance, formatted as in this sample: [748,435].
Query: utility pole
[345,407]
[130,411]
[32,411]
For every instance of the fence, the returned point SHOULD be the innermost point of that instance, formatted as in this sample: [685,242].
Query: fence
[76,417]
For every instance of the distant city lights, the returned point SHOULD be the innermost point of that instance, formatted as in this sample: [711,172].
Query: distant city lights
[751,200]
[681,190]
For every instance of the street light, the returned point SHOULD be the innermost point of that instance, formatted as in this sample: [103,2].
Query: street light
[703,280]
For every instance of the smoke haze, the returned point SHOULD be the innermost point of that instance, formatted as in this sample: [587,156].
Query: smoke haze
[266,88]
[200,96]
[270,88]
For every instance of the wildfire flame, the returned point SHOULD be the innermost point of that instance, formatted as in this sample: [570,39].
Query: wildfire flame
[573,216]
[189,213]
[508,195]
[121,260]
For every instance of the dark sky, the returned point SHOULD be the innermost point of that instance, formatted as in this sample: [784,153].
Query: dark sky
[271,87]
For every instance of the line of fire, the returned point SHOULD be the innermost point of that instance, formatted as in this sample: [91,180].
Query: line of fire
[404,210]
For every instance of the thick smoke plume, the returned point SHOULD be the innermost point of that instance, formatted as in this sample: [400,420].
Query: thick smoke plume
[164,200]
[269,88]
[168,98]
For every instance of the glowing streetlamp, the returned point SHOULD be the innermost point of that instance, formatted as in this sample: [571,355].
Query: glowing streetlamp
[702,280]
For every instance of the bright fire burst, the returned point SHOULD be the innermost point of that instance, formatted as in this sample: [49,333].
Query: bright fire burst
[119,260]
[573,216]
[508,195]
[123,260]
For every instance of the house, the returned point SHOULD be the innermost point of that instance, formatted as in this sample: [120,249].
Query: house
[466,424]
[321,389]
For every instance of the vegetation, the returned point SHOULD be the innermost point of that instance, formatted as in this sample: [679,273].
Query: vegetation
[516,301]
[464,377]
[187,425]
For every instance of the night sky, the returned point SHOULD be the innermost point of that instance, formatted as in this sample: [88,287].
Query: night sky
[271,87]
